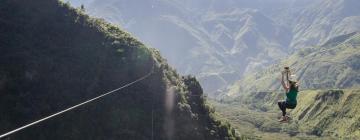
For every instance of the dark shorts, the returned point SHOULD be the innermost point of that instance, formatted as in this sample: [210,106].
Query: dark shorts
[285,104]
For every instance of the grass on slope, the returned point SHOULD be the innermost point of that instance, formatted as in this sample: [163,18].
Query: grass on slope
[334,112]
[320,114]
[257,124]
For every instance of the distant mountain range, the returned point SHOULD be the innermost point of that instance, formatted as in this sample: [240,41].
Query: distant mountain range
[220,41]
[335,64]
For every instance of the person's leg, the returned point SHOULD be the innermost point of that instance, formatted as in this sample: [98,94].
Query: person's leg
[282,107]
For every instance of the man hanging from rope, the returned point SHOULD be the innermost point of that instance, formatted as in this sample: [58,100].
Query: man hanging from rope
[291,87]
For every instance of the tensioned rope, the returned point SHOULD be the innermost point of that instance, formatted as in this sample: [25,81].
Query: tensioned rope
[78,105]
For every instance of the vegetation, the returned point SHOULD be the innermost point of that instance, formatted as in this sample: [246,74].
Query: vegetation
[53,56]
[320,114]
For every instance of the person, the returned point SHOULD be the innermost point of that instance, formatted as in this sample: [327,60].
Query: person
[291,87]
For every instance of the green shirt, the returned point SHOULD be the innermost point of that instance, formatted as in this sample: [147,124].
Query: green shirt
[291,96]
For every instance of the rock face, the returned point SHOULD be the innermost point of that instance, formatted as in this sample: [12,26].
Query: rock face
[219,42]
[53,56]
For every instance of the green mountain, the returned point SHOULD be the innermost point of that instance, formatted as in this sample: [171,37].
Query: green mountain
[53,56]
[328,104]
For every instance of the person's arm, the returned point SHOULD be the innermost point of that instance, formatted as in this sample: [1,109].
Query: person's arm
[285,86]
[297,85]
[287,77]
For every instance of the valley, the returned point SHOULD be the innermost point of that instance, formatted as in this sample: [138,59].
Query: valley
[209,69]
[327,103]
[237,50]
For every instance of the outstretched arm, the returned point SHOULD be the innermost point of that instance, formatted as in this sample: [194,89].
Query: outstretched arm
[285,85]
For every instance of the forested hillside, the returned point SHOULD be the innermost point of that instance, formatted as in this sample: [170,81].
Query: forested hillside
[53,56]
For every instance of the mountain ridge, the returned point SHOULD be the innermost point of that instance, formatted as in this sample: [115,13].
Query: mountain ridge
[54,56]
[337,56]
